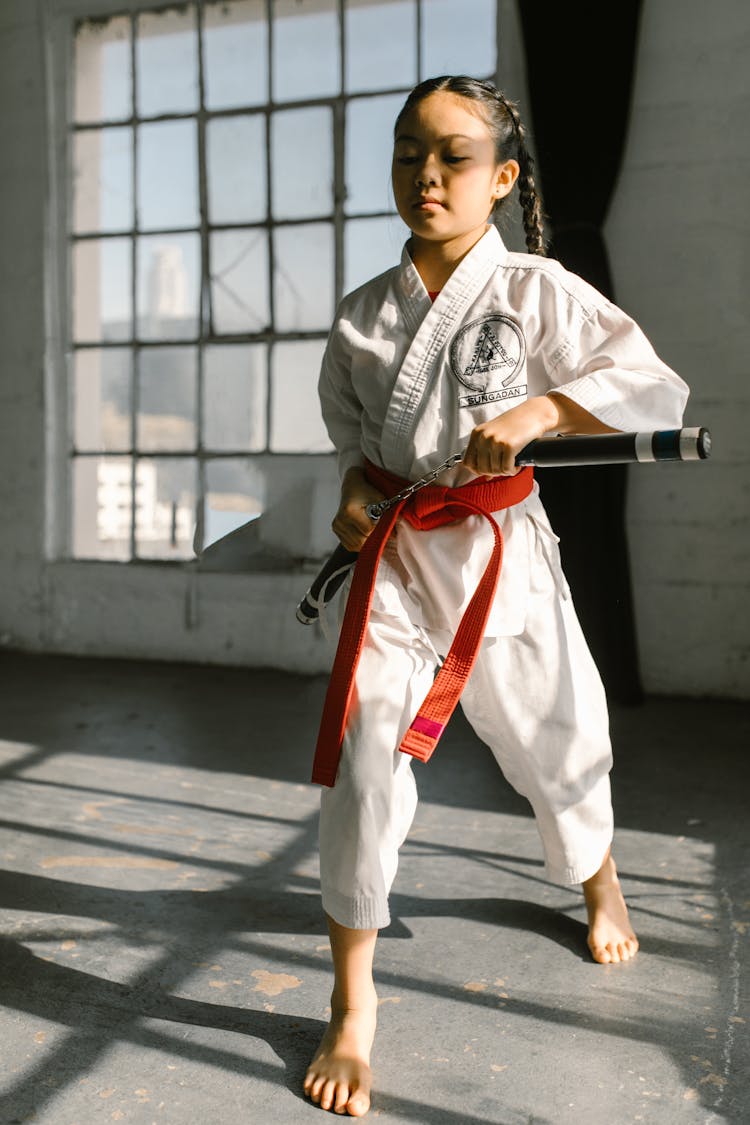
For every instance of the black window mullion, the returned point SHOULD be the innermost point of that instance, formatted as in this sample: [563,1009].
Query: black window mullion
[419,40]
[269,223]
[135,348]
[339,165]
[205,306]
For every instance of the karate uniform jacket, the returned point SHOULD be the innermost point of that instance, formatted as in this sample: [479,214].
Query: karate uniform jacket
[404,381]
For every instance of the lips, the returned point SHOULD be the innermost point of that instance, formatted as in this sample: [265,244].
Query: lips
[427,201]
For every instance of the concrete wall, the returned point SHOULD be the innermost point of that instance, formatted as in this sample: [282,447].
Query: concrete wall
[678,237]
[676,234]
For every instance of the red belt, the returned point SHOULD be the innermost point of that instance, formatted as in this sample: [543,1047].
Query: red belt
[429,507]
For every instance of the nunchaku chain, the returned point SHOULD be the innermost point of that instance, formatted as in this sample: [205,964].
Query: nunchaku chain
[375,511]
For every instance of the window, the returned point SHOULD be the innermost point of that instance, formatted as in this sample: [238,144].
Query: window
[230,181]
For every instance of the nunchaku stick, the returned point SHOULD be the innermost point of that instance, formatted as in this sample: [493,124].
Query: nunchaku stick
[562,451]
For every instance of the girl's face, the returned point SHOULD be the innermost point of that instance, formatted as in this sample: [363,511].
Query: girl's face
[446,178]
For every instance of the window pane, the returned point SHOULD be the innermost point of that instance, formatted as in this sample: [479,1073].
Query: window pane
[236,149]
[471,52]
[369,150]
[103,86]
[167,175]
[302,163]
[235,494]
[102,507]
[303,277]
[102,301]
[235,53]
[370,247]
[165,508]
[381,44]
[296,422]
[167,397]
[103,180]
[168,286]
[305,49]
[166,62]
[239,281]
[101,389]
[234,397]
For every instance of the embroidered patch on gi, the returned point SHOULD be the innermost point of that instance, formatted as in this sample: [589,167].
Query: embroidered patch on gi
[486,357]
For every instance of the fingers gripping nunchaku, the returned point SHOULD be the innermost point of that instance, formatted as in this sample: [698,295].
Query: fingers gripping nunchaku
[691,444]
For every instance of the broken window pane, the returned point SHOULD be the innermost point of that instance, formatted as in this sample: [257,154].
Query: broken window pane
[239,280]
[103,180]
[305,49]
[235,495]
[302,163]
[235,53]
[236,158]
[165,496]
[167,399]
[103,89]
[102,300]
[168,286]
[381,44]
[234,397]
[167,175]
[101,399]
[166,62]
[296,422]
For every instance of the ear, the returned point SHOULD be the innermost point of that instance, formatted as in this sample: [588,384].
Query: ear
[506,176]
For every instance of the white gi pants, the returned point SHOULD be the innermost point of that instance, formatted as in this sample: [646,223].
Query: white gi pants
[537,701]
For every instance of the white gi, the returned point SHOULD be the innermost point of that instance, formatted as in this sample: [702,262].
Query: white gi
[403,383]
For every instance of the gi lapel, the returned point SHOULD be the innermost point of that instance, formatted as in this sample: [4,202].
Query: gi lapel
[432,327]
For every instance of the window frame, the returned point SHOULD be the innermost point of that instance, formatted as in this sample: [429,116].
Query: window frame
[61,18]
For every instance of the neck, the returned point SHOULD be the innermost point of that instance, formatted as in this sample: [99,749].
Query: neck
[436,261]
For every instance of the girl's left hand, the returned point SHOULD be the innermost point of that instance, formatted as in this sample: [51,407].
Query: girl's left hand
[493,445]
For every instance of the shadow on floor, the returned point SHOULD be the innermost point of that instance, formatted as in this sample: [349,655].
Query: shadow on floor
[226,719]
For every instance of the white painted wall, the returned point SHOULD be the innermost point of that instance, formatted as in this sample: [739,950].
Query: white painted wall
[676,233]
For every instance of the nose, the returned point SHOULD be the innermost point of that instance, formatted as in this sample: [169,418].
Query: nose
[427,174]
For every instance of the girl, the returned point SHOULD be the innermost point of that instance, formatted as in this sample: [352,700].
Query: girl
[464,345]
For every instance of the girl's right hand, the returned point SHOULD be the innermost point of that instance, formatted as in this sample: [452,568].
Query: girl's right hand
[351,523]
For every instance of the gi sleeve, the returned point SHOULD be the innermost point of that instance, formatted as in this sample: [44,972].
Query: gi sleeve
[340,407]
[604,362]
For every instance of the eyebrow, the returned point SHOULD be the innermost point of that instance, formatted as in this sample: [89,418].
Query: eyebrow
[447,137]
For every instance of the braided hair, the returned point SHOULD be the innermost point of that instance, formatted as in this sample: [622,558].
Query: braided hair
[507,130]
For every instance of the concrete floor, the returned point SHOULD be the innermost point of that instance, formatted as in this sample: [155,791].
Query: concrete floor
[163,952]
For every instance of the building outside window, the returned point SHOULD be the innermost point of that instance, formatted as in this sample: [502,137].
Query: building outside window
[229,182]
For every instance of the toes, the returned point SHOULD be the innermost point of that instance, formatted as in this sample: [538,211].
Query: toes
[327,1096]
[316,1087]
[358,1104]
[342,1097]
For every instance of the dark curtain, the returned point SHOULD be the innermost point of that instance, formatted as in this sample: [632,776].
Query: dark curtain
[579,63]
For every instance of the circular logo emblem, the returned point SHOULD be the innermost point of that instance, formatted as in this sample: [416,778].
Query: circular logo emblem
[487,353]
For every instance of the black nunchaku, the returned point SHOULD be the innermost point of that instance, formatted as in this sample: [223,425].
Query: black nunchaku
[562,451]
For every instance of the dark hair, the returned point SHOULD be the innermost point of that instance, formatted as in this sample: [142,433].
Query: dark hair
[504,123]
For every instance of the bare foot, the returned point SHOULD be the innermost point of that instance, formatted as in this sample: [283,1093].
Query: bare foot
[339,1077]
[611,938]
